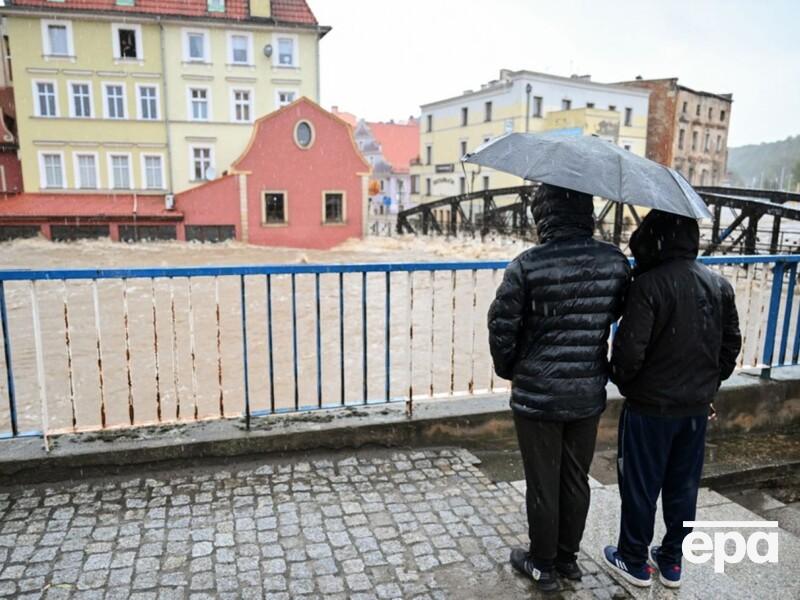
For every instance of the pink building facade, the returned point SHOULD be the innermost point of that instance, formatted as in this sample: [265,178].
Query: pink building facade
[301,182]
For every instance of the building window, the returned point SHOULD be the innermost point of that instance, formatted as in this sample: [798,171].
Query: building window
[487,112]
[148,102]
[120,171]
[710,113]
[428,154]
[464,116]
[201,162]
[462,185]
[7,50]
[153,171]
[46,105]
[697,110]
[722,115]
[537,106]
[566,104]
[429,123]
[628,117]
[427,186]
[462,148]
[707,142]
[285,98]
[719,143]
[415,184]
[81,103]
[694,140]
[198,104]
[57,38]
[196,46]
[286,57]
[242,106]
[612,107]
[590,105]
[127,41]
[485,182]
[86,169]
[304,134]
[274,207]
[334,207]
[216,5]
[627,147]
[685,107]
[240,48]
[115,100]
[681,136]
[53,170]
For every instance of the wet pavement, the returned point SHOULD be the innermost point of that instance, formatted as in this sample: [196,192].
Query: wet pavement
[374,524]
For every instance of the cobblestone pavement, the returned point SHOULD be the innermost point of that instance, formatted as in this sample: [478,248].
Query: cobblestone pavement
[371,525]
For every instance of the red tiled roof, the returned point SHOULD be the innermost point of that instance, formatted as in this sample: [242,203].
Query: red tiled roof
[287,11]
[399,142]
[347,117]
[88,206]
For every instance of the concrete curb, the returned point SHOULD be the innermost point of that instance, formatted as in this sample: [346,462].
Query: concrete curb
[744,403]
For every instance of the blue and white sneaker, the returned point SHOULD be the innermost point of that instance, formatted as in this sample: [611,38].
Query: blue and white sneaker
[638,576]
[669,574]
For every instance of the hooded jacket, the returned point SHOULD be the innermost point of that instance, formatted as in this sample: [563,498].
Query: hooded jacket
[549,323]
[679,335]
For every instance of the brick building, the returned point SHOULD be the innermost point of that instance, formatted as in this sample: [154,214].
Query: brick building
[687,129]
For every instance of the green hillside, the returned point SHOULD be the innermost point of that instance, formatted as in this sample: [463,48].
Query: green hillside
[760,165]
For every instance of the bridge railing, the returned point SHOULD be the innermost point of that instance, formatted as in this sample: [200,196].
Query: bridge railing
[88,350]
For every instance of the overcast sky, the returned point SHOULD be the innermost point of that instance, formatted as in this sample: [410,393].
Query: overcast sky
[386,57]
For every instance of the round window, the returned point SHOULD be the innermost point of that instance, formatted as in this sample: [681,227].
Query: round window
[304,134]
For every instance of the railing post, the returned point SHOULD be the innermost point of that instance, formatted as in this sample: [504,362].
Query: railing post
[12,395]
[772,319]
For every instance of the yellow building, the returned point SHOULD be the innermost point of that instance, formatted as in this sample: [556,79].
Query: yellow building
[519,101]
[149,96]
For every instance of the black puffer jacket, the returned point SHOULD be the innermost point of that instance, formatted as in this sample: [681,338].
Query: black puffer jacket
[679,335]
[549,324]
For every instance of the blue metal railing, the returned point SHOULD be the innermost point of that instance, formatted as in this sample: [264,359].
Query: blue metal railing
[760,315]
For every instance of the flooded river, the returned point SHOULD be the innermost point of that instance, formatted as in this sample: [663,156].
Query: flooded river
[170,350]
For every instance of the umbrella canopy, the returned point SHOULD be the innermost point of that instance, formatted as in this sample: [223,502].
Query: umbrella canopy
[594,166]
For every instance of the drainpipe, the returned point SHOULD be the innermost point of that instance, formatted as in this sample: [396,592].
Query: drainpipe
[166,103]
[528,90]
[319,92]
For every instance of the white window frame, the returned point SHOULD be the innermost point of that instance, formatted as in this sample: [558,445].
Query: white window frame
[278,93]
[143,161]
[71,94]
[106,113]
[206,46]
[43,174]
[76,168]
[115,27]
[211,158]
[276,50]
[250,56]
[139,114]
[47,51]
[343,194]
[36,106]
[131,179]
[252,102]
[190,112]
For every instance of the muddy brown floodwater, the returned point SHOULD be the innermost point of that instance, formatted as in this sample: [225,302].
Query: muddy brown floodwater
[171,350]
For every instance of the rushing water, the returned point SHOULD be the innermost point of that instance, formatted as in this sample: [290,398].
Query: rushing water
[170,350]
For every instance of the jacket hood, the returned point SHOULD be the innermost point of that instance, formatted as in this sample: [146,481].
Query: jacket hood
[663,236]
[562,213]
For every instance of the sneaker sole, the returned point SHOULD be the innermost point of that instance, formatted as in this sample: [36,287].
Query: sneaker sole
[664,581]
[627,576]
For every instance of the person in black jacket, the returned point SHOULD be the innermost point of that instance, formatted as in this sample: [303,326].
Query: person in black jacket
[677,341]
[548,332]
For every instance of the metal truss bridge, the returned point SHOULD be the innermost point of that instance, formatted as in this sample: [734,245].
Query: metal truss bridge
[746,220]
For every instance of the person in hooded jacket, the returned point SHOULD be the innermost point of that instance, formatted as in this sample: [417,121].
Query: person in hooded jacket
[548,332]
[677,341]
